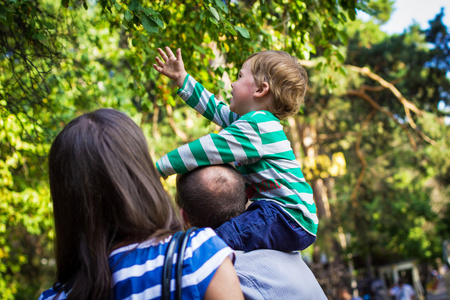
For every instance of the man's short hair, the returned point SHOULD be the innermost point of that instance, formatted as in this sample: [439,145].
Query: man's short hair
[211,195]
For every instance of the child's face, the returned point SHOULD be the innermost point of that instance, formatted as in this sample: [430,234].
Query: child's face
[242,90]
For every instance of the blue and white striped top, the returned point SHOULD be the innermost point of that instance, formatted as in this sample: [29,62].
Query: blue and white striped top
[137,268]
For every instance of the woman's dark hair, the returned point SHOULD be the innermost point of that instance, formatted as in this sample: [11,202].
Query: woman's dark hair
[106,193]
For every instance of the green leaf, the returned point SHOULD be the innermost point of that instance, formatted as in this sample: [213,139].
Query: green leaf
[133,5]
[343,71]
[149,11]
[3,12]
[118,6]
[214,13]
[42,38]
[340,57]
[198,25]
[231,30]
[352,15]
[150,25]
[242,31]
[128,15]
[365,8]
[222,6]
[319,66]
[199,49]
[48,25]
[213,20]
[342,37]
[158,21]
[125,25]
[65,3]
[310,48]
[85,5]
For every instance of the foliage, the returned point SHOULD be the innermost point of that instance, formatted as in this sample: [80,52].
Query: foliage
[59,60]
[383,10]
[395,141]
[25,216]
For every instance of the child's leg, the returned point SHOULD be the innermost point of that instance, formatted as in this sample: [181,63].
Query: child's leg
[264,225]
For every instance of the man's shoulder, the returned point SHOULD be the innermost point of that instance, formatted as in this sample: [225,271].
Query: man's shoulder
[265,257]
[269,253]
[274,273]
[270,257]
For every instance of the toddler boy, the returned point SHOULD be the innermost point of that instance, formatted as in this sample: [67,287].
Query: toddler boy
[271,85]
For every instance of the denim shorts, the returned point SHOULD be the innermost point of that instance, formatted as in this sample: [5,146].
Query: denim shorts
[265,225]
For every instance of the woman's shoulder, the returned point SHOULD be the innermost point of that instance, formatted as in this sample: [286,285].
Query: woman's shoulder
[203,244]
[205,252]
[202,237]
[137,269]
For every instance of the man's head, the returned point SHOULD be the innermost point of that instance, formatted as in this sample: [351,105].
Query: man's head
[286,79]
[210,196]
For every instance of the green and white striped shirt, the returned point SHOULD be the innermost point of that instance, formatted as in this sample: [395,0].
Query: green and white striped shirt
[257,145]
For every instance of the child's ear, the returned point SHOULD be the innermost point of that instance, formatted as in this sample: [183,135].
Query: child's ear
[262,91]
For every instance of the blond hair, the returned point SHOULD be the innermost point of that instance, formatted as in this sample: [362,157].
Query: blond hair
[286,78]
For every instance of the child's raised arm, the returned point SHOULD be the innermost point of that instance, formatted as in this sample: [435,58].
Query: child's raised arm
[172,67]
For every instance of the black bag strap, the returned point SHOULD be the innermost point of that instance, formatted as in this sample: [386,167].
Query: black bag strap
[167,268]
[179,265]
[168,264]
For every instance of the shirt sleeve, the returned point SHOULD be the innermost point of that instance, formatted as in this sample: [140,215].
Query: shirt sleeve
[204,102]
[204,255]
[241,141]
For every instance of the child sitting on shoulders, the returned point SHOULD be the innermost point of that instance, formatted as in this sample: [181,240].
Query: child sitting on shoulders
[271,85]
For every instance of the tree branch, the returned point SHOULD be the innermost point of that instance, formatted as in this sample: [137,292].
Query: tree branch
[326,137]
[408,105]
[180,133]
[363,95]
[354,195]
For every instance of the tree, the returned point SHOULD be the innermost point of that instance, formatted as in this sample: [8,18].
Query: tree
[384,116]
[372,102]
[61,59]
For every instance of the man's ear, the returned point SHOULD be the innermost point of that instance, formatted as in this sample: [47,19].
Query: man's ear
[185,218]
[262,91]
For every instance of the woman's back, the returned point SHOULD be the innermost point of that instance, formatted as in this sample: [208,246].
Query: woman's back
[137,268]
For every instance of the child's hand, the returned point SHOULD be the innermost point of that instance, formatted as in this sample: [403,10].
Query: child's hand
[173,66]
